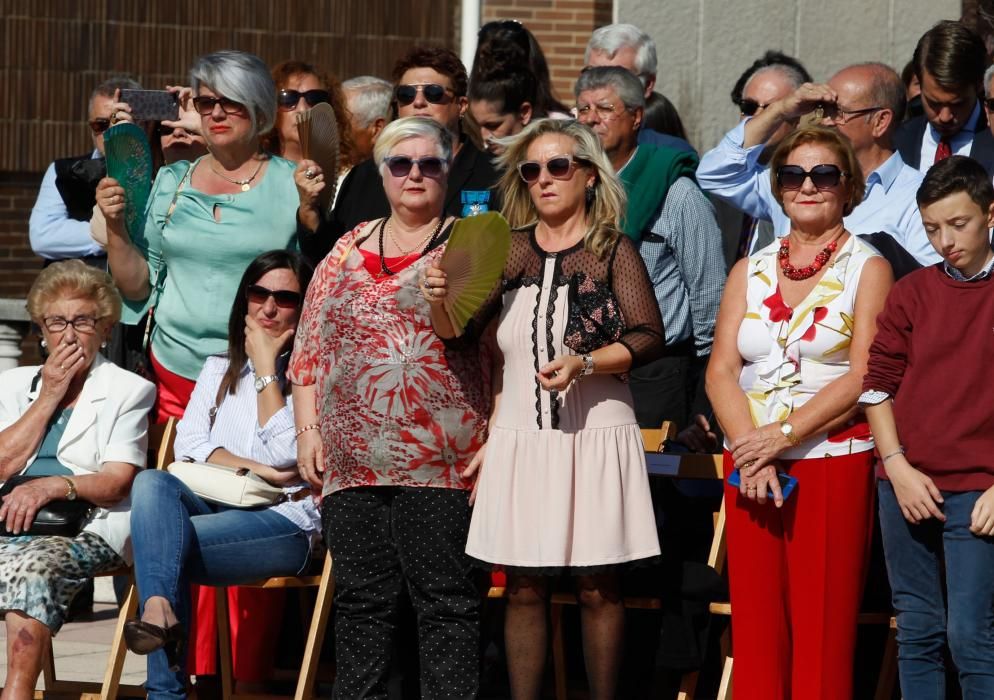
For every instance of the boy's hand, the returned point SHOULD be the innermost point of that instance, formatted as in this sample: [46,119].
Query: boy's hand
[916,493]
[982,518]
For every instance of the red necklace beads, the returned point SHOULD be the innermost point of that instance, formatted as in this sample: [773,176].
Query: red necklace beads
[797,274]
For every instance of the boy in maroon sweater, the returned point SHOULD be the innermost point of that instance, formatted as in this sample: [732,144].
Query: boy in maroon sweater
[928,400]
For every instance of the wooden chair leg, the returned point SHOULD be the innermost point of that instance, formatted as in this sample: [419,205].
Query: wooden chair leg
[725,687]
[558,650]
[115,663]
[888,668]
[48,667]
[316,632]
[224,642]
[688,686]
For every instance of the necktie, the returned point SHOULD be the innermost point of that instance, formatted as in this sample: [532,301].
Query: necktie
[942,151]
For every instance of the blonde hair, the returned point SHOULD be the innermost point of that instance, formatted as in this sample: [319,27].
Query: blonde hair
[838,145]
[74,279]
[603,213]
[408,128]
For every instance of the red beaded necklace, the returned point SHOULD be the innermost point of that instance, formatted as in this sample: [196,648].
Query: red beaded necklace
[798,274]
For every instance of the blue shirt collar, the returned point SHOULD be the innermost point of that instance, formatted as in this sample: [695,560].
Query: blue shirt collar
[886,173]
[960,277]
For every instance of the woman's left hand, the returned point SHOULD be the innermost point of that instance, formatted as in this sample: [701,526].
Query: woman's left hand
[560,373]
[755,487]
[22,504]
[754,450]
[262,348]
[188,117]
[434,286]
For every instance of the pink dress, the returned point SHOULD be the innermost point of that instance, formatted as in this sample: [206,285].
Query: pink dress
[564,482]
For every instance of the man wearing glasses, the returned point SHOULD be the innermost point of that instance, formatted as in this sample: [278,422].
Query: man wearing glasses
[866,103]
[59,227]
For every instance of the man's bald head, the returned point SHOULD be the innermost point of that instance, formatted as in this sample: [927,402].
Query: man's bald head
[872,85]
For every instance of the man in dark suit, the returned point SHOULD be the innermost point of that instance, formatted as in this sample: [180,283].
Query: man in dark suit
[949,62]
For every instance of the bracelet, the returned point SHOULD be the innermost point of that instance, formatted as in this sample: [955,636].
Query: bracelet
[899,451]
[301,431]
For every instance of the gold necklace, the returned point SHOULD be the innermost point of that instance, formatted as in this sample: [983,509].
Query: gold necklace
[417,246]
[244,183]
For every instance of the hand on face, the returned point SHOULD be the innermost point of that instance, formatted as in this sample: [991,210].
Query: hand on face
[72,349]
[269,326]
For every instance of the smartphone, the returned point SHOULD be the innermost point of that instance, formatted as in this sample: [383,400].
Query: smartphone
[151,105]
[787,483]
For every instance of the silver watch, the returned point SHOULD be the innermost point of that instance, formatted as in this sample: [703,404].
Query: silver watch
[262,382]
[588,365]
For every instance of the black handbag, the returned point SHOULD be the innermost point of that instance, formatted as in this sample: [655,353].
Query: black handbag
[57,518]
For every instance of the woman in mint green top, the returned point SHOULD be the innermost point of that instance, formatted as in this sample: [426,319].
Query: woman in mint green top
[205,221]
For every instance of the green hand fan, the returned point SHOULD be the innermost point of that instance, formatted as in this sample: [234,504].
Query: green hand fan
[129,161]
[319,142]
[473,263]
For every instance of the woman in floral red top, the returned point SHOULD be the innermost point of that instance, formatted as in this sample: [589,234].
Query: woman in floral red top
[387,419]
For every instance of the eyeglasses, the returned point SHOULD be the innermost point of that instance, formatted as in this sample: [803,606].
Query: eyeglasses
[605,111]
[430,166]
[837,115]
[433,93]
[81,324]
[99,126]
[749,107]
[284,298]
[205,105]
[989,103]
[558,167]
[288,99]
[823,177]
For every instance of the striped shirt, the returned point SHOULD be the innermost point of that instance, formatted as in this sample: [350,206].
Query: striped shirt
[236,429]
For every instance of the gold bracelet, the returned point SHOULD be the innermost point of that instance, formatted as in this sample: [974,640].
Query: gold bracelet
[301,431]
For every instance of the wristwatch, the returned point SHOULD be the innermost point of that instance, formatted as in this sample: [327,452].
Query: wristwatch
[588,365]
[788,432]
[262,382]
[71,494]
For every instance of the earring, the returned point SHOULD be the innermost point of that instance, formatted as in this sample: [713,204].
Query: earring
[589,195]
[103,345]
[44,343]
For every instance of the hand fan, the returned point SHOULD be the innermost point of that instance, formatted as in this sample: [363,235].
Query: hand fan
[129,161]
[473,263]
[319,142]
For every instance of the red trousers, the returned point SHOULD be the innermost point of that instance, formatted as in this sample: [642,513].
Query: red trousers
[796,579]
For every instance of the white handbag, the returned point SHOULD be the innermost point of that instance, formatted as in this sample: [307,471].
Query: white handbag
[229,486]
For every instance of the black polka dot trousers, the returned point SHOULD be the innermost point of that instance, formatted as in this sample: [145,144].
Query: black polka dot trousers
[383,538]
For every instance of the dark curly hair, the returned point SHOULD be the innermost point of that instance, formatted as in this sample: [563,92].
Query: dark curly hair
[439,59]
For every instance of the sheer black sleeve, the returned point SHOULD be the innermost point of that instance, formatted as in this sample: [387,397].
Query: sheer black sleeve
[629,280]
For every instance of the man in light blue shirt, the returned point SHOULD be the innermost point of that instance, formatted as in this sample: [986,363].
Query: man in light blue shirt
[866,103]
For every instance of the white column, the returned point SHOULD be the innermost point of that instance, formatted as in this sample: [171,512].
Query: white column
[470,25]
[14,324]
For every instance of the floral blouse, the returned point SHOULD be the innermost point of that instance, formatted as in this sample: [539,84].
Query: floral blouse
[791,354]
[396,408]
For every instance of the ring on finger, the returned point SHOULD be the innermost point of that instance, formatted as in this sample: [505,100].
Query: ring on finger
[309,173]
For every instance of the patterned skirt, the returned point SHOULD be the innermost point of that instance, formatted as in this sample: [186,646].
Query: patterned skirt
[39,576]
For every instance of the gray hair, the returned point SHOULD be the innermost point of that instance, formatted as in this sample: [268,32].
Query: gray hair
[241,77]
[371,98]
[410,128]
[613,37]
[791,74]
[629,88]
[988,74]
[108,87]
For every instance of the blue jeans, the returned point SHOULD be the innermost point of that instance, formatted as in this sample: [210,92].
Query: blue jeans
[180,539]
[915,555]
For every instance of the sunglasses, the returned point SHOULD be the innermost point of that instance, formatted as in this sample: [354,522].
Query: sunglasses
[288,99]
[433,93]
[205,105]
[559,168]
[749,107]
[284,298]
[430,166]
[99,126]
[823,177]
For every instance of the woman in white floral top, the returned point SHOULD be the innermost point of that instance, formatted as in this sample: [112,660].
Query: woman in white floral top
[791,347]
[387,419]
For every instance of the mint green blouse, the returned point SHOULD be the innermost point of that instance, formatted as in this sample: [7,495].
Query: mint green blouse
[196,261]
[46,463]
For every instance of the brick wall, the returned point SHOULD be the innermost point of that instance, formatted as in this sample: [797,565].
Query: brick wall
[18,265]
[562,27]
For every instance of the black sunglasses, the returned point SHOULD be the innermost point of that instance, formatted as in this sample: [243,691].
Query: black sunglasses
[824,176]
[749,107]
[99,126]
[400,166]
[559,167]
[284,298]
[433,92]
[288,99]
[205,105]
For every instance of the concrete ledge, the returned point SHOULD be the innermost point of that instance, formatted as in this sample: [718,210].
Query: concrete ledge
[13,310]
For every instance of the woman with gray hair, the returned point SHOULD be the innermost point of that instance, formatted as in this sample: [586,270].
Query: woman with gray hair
[387,419]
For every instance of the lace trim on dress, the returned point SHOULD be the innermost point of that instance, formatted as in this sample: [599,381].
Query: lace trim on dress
[549,341]
[538,387]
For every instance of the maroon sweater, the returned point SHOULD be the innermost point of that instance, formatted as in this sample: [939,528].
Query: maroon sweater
[933,353]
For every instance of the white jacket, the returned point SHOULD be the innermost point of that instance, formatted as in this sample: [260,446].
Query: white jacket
[109,423]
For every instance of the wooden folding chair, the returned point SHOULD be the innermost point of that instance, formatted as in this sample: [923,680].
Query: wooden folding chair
[161,438]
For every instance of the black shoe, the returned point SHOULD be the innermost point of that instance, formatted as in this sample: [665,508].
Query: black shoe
[143,638]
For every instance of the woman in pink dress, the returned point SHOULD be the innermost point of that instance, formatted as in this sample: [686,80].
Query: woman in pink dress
[563,486]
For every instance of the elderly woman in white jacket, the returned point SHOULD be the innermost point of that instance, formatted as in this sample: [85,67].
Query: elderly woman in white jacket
[80,425]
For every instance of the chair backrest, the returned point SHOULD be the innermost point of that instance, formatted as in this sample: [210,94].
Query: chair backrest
[161,437]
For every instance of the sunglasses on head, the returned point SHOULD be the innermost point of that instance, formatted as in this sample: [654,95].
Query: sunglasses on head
[749,107]
[284,298]
[288,99]
[559,168]
[433,92]
[400,166]
[99,126]
[205,105]
[824,176]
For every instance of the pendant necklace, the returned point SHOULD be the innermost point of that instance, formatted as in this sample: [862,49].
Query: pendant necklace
[245,184]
